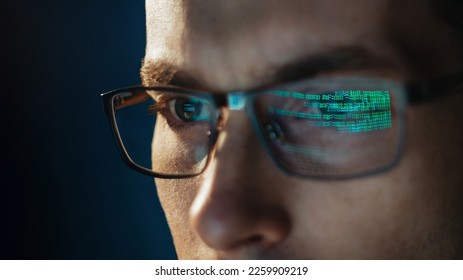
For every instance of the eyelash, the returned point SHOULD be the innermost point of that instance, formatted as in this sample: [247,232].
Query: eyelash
[162,107]
[157,107]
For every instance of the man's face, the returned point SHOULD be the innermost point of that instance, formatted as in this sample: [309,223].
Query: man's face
[243,206]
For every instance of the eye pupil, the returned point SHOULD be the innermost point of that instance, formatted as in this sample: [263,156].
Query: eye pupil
[188,110]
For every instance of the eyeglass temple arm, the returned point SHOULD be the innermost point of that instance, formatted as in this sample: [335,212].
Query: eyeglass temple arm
[449,85]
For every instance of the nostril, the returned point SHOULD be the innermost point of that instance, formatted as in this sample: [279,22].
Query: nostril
[255,239]
[227,226]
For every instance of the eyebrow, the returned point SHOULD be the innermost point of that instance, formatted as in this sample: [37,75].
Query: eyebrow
[165,73]
[311,65]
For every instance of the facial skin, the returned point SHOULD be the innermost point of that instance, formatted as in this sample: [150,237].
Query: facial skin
[243,206]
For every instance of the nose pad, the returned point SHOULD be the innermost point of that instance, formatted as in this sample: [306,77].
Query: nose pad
[274,131]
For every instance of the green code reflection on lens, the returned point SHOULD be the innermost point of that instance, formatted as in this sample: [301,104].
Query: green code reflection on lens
[350,111]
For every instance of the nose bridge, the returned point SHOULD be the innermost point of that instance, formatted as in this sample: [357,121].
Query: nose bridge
[239,150]
[236,129]
[242,127]
[237,142]
[237,204]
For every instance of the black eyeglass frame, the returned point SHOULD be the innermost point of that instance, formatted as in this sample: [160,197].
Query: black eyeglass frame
[416,93]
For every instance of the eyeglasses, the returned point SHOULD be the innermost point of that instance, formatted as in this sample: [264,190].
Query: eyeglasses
[329,128]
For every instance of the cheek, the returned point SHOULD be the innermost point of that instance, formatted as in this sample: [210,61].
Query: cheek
[388,216]
[177,152]
[173,153]
[176,197]
[407,212]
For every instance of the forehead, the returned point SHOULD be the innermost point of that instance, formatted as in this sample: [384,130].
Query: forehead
[234,44]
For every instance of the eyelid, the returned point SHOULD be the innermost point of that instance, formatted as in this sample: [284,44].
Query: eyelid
[165,96]
[162,99]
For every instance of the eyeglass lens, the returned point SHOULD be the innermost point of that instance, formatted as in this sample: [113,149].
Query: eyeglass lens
[332,128]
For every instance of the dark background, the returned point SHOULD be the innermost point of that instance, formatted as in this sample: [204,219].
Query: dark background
[65,192]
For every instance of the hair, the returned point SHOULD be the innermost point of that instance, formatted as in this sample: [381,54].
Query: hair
[451,11]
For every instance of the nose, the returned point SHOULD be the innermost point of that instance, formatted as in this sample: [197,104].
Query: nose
[239,205]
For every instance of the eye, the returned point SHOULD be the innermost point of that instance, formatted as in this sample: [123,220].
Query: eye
[190,109]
